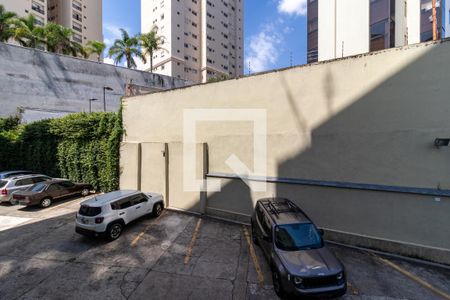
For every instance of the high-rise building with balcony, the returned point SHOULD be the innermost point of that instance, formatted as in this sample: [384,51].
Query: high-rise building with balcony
[340,28]
[23,8]
[203,39]
[84,17]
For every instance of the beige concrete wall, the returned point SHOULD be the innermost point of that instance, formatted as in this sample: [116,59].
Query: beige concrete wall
[130,166]
[154,168]
[178,197]
[370,119]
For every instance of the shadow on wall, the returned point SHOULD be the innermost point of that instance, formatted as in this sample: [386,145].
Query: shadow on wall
[384,138]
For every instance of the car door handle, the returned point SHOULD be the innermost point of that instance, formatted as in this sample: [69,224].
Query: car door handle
[121,214]
[138,207]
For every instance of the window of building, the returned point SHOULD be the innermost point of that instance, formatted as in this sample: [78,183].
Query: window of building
[77,27]
[382,24]
[77,16]
[313,25]
[77,38]
[77,5]
[39,21]
[38,7]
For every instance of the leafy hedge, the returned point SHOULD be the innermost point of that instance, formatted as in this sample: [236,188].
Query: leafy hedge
[82,147]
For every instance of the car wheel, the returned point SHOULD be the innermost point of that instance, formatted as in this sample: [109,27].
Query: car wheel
[85,192]
[46,202]
[157,210]
[254,239]
[114,231]
[278,288]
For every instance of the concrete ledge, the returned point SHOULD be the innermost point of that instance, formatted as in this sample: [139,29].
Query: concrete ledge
[437,255]
[228,215]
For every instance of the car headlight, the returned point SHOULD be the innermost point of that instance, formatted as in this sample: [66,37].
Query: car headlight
[340,276]
[298,280]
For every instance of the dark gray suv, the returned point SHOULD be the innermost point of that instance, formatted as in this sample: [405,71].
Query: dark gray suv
[300,262]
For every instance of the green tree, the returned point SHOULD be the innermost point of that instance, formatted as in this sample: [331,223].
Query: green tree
[150,43]
[59,40]
[27,33]
[96,47]
[126,48]
[6,24]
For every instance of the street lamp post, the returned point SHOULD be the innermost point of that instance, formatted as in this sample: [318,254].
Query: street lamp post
[105,88]
[90,104]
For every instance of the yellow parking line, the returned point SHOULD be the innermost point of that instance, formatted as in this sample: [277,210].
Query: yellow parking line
[251,249]
[141,234]
[192,243]
[413,277]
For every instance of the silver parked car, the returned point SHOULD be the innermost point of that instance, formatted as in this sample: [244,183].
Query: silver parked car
[11,185]
[9,174]
[301,263]
[106,215]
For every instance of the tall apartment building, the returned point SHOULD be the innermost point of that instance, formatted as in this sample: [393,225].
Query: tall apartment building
[23,8]
[340,28]
[83,16]
[202,38]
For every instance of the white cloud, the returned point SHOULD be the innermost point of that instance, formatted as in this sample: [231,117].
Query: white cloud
[108,60]
[293,7]
[264,49]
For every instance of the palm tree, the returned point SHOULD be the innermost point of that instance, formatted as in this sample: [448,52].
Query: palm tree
[27,33]
[6,19]
[96,47]
[59,40]
[150,43]
[57,37]
[127,47]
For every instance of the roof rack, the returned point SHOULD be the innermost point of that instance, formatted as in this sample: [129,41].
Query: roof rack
[273,208]
[291,207]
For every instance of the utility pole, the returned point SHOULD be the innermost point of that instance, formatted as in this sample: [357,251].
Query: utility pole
[434,20]
[290,58]
[249,68]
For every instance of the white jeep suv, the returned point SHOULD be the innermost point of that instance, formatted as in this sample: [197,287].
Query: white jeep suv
[106,215]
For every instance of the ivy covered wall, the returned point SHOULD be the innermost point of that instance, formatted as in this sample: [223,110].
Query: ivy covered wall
[81,147]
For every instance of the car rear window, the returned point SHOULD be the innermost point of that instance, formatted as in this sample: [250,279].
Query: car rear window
[3,183]
[38,187]
[89,211]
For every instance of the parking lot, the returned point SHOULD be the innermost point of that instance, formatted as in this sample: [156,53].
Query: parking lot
[176,256]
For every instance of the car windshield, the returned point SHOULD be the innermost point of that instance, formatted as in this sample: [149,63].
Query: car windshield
[3,183]
[294,237]
[38,187]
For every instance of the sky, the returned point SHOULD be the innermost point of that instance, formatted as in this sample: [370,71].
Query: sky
[274,30]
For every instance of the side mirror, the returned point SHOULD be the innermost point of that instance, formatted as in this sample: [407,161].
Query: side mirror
[321,232]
